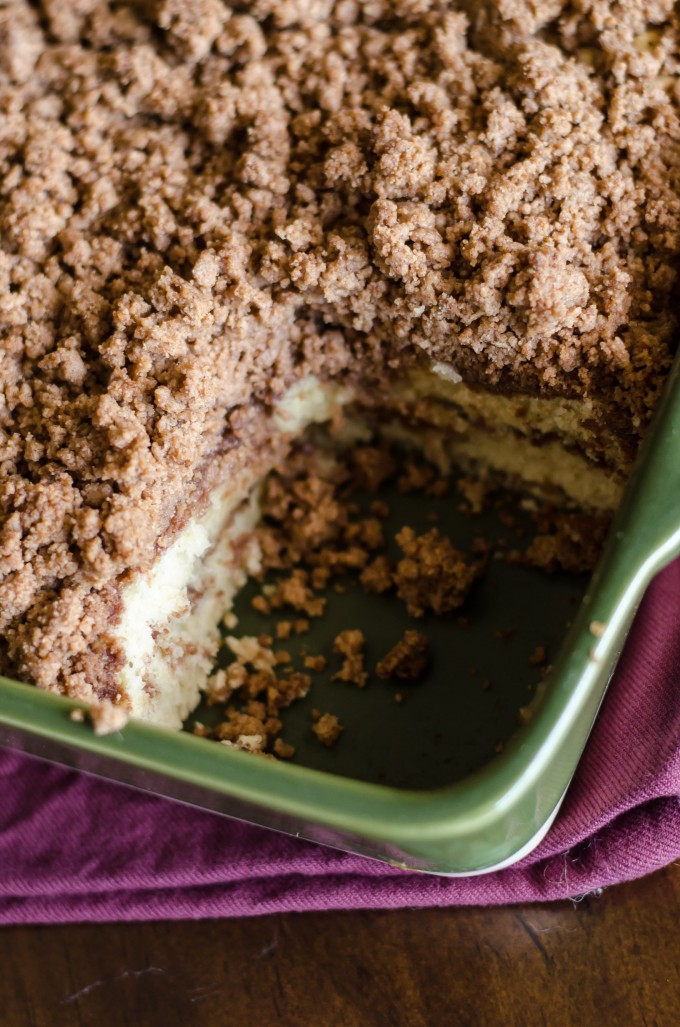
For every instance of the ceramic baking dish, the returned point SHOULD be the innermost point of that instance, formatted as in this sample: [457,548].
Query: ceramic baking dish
[420,784]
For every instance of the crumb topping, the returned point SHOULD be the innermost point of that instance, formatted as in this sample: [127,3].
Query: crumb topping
[407,660]
[433,574]
[200,202]
[350,644]
[327,728]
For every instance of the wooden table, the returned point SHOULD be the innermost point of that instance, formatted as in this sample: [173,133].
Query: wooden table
[609,961]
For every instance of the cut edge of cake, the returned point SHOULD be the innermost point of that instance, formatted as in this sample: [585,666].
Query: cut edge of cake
[167,630]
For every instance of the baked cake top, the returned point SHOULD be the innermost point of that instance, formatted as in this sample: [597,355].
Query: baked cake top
[199,201]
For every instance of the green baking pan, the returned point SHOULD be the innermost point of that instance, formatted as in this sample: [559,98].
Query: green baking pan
[465,772]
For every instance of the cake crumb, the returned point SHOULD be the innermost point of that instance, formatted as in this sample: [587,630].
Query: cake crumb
[327,729]
[219,686]
[317,663]
[377,576]
[286,690]
[201,730]
[250,650]
[294,591]
[433,575]
[77,716]
[107,718]
[350,644]
[319,577]
[407,660]
[283,750]
[597,628]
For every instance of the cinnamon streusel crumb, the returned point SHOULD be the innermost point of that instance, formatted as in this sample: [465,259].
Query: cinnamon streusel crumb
[350,644]
[327,729]
[432,575]
[407,660]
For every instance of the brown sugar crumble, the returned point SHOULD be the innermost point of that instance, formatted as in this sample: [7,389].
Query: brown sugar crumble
[327,729]
[432,575]
[377,576]
[283,750]
[252,692]
[350,644]
[407,660]
[317,663]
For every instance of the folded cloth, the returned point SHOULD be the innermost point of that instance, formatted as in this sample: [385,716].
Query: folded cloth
[73,848]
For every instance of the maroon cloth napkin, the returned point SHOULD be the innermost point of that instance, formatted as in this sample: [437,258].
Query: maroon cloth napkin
[73,848]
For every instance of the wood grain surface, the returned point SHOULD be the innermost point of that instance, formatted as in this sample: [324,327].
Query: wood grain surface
[612,960]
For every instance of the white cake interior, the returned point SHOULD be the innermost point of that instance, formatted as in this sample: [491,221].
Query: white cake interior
[169,628]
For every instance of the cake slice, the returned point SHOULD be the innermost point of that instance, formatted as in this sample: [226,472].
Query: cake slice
[455,225]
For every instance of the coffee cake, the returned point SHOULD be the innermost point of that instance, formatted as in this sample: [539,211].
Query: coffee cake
[458,222]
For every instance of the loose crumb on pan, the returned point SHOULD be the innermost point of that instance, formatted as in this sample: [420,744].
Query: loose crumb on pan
[432,575]
[377,575]
[107,718]
[283,750]
[327,729]
[350,644]
[317,663]
[295,591]
[407,660]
